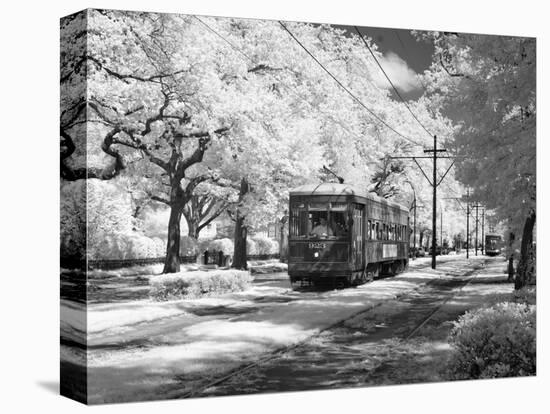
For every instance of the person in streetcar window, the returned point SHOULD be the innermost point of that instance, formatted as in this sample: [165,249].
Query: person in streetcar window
[322,229]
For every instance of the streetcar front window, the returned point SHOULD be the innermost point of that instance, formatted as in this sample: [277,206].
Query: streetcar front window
[338,219]
[318,223]
[316,220]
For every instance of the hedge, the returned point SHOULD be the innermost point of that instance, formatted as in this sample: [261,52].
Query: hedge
[188,285]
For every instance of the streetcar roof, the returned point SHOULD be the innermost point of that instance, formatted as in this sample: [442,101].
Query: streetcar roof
[336,189]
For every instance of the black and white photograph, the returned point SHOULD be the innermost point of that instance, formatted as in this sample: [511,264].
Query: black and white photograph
[258,206]
[273,205]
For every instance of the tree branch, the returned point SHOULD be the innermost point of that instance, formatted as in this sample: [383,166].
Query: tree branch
[160,200]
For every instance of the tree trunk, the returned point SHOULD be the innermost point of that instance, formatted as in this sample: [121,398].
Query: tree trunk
[193,229]
[172,261]
[511,258]
[239,253]
[524,272]
[421,239]
[283,240]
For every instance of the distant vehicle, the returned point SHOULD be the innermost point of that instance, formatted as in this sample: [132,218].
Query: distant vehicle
[420,252]
[413,251]
[341,234]
[493,244]
[437,250]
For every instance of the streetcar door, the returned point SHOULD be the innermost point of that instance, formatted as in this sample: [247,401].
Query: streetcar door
[357,232]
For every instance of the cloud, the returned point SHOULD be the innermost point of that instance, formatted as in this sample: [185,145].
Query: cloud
[402,76]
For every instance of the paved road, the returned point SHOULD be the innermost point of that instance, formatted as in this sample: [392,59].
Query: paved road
[349,354]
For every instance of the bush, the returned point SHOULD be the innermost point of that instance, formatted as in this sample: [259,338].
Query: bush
[251,247]
[187,285]
[224,245]
[203,244]
[499,341]
[527,295]
[189,246]
[265,245]
[117,246]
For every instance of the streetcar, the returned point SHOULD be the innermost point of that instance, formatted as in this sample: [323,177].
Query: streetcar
[341,235]
[493,244]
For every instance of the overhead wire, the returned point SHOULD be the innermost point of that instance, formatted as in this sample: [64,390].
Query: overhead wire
[391,83]
[419,78]
[237,49]
[344,127]
[373,114]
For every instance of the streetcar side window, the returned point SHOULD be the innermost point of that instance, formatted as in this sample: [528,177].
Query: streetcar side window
[369,230]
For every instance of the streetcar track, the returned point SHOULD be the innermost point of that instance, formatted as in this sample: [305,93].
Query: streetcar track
[455,292]
[287,349]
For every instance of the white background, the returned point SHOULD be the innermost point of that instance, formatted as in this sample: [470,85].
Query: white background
[29,202]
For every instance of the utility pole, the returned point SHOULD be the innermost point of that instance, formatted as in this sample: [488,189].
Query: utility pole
[483,231]
[434,183]
[477,206]
[467,210]
[477,222]
[414,225]
[468,224]
[441,229]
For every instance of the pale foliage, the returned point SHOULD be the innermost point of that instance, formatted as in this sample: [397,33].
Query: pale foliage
[285,117]
[492,98]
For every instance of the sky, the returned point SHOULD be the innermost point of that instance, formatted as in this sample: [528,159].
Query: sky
[404,58]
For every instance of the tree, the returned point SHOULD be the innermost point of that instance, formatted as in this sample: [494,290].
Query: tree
[201,210]
[148,93]
[487,84]
[176,108]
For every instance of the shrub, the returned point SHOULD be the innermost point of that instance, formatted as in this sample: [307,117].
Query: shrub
[73,220]
[189,246]
[526,295]
[251,247]
[117,246]
[499,341]
[224,245]
[187,285]
[203,244]
[265,245]
[274,247]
